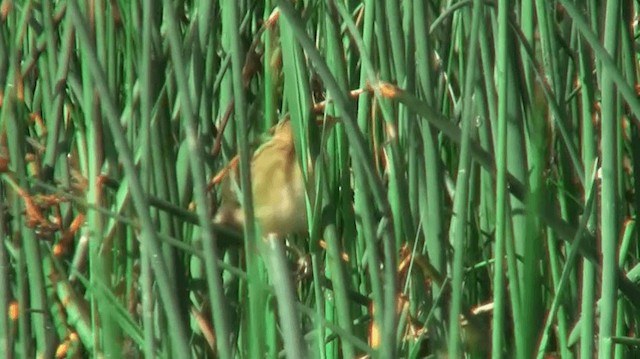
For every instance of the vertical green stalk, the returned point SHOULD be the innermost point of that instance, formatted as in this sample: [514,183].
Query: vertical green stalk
[273,250]
[321,349]
[628,63]
[516,241]
[237,55]
[488,201]
[501,190]
[561,281]
[398,184]
[138,197]
[104,252]
[130,94]
[7,89]
[95,158]
[392,13]
[146,274]
[531,243]
[395,168]
[397,189]
[363,167]
[604,55]
[533,247]
[38,310]
[146,281]
[587,303]
[336,269]
[59,68]
[431,181]
[271,73]
[364,226]
[609,195]
[209,240]
[6,344]
[231,31]
[458,230]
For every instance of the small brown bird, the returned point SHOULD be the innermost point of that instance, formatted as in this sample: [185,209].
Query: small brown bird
[278,187]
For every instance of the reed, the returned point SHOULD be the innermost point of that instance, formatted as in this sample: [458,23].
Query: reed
[428,179]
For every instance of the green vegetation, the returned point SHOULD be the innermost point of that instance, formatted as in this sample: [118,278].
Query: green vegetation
[476,197]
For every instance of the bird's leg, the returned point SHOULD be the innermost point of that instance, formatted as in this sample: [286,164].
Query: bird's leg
[303,261]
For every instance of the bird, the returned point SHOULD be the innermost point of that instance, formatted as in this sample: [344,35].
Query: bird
[278,187]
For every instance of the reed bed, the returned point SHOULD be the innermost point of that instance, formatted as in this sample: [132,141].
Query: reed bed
[469,193]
